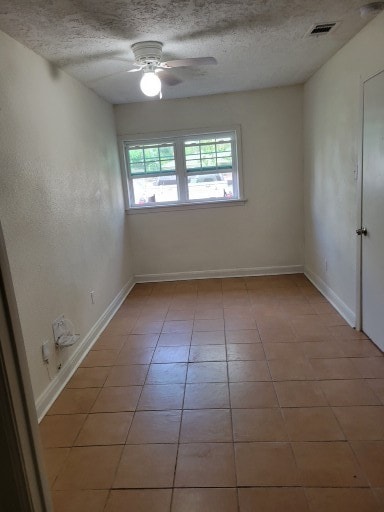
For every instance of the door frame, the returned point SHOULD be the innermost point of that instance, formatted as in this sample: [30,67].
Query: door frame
[359,203]
[18,418]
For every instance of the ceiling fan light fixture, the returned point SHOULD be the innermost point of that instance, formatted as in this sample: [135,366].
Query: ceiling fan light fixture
[150,84]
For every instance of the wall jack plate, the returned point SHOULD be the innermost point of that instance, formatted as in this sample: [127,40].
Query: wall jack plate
[59,328]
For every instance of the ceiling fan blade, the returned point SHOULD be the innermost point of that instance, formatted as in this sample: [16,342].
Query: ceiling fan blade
[184,63]
[167,77]
[134,70]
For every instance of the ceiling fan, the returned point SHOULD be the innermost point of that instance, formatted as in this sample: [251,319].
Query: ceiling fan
[148,60]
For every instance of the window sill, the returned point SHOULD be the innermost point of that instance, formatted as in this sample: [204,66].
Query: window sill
[184,206]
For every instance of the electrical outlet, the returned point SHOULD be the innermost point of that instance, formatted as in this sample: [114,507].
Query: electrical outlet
[46,351]
[92,297]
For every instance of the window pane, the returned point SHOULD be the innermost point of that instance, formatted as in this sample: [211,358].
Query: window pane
[162,189]
[151,158]
[210,186]
[137,168]
[208,154]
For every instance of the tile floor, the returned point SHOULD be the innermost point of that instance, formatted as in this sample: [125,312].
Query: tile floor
[222,395]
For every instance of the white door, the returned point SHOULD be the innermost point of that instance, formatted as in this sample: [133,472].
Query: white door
[373,211]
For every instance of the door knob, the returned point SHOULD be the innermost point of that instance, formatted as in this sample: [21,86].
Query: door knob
[362,231]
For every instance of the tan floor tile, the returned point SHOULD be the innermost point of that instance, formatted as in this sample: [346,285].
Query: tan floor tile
[243,371]
[208,313]
[206,426]
[361,423]
[141,340]
[370,367]
[379,493]
[208,338]
[178,354]
[117,399]
[174,339]
[54,459]
[205,500]
[146,466]
[245,352]
[178,326]
[79,501]
[201,353]
[348,392]
[147,327]
[74,401]
[205,465]
[110,342]
[312,424]
[161,397]
[89,377]
[345,332]
[206,396]
[134,355]
[277,334]
[60,430]
[148,500]
[322,349]
[82,469]
[370,455]
[358,348]
[300,394]
[130,375]
[248,395]
[105,429]
[265,465]
[377,385]
[284,351]
[207,372]
[341,500]
[208,325]
[258,425]
[340,368]
[272,500]
[242,336]
[180,314]
[99,358]
[323,464]
[290,369]
[155,427]
[239,323]
[168,373]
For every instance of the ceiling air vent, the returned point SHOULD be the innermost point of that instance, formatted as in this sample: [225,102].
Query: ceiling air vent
[321,29]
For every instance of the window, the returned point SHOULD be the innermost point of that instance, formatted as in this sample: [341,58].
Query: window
[186,169]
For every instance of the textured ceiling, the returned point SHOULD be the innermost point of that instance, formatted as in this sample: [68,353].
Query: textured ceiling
[257,43]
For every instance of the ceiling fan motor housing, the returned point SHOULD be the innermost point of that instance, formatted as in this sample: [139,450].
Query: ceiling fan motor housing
[147,52]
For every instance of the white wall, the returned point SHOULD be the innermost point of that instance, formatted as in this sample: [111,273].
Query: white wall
[332,103]
[268,230]
[61,204]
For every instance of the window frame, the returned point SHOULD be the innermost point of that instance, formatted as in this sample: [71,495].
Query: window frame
[178,138]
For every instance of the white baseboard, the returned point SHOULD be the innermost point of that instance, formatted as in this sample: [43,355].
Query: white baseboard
[206,274]
[347,313]
[46,399]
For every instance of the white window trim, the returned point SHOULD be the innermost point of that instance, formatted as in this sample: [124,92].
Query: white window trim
[183,203]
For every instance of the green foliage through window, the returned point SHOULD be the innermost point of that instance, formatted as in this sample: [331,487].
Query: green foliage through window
[151,159]
[208,154]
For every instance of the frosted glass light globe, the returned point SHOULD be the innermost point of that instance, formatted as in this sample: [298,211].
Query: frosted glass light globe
[150,84]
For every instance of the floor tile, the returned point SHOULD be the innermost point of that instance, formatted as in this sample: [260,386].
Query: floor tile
[358,348]
[290,369]
[361,423]
[83,470]
[340,368]
[54,459]
[148,500]
[117,399]
[246,395]
[290,351]
[208,313]
[348,392]
[239,323]
[265,464]
[177,326]
[100,358]
[74,401]
[89,377]
[204,500]
[321,349]
[324,464]
[155,427]
[208,338]
[104,429]
[147,327]
[206,396]
[61,430]
[245,352]
[130,375]
[174,339]
[312,424]
[141,340]
[161,397]
[243,336]
[272,499]
[79,501]
[110,342]
[205,426]
[211,325]
[258,425]
[201,353]
[341,500]
[134,355]
[207,372]
[146,466]
[300,394]
[243,371]
[178,354]
[370,455]
[205,465]
[377,385]
[180,314]
[169,373]
[370,367]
